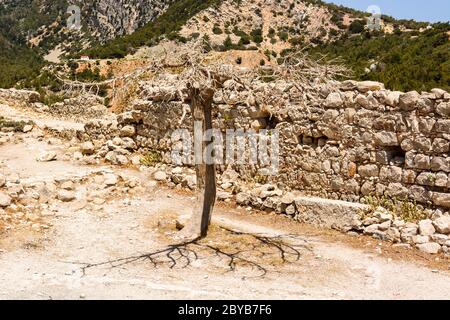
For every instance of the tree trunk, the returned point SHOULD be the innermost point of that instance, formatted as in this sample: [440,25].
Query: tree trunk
[201,105]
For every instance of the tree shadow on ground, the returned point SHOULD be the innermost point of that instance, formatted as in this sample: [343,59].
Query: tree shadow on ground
[230,248]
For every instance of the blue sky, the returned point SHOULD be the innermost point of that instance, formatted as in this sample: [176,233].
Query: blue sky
[420,10]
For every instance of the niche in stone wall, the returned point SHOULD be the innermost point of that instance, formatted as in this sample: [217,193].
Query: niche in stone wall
[391,156]
[313,142]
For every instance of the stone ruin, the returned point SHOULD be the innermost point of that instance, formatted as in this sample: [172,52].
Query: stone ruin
[340,142]
[359,139]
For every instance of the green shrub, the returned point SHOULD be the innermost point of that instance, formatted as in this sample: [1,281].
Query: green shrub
[151,158]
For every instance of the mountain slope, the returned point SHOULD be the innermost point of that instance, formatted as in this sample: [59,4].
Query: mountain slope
[41,25]
[406,55]
[167,24]
[402,61]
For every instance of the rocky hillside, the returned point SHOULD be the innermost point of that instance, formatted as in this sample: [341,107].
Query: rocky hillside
[38,20]
[273,25]
[41,25]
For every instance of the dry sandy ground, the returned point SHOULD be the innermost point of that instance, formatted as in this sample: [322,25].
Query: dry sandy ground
[49,265]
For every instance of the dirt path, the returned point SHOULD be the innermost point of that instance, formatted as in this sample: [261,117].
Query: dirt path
[42,120]
[47,264]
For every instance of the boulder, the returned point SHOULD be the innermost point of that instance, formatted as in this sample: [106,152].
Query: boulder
[366,86]
[426,227]
[420,239]
[386,139]
[392,99]
[369,170]
[438,93]
[442,224]
[408,101]
[334,100]
[127,131]
[243,198]
[430,247]
[443,109]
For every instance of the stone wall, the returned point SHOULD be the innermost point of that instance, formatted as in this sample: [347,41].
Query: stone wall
[346,143]
[19,97]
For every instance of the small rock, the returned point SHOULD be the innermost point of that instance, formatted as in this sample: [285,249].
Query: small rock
[226,185]
[393,235]
[438,93]
[369,221]
[68,185]
[177,170]
[110,179]
[223,195]
[398,223]
[5,200]
[160,176]
[384,226]
[77,155]
[290,210]
[127,131]
[27,128]
[111,156]
[190,182]
[334,100]
[420,239]
[87,148]
[136,160]
[402,245]
[287,199]
[372,229]
[66,195]
[2,180]
[47,213]
[366,86]
[382,214]
[122,160]
[47,156]
[98,201]
[408,100]
[430,247]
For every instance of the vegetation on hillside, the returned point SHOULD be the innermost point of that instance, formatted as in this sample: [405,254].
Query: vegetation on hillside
[168,24]
[17,63]
[19,21]
[403,61]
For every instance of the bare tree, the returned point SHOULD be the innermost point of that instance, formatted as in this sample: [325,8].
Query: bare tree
[201,80]
[201,98]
